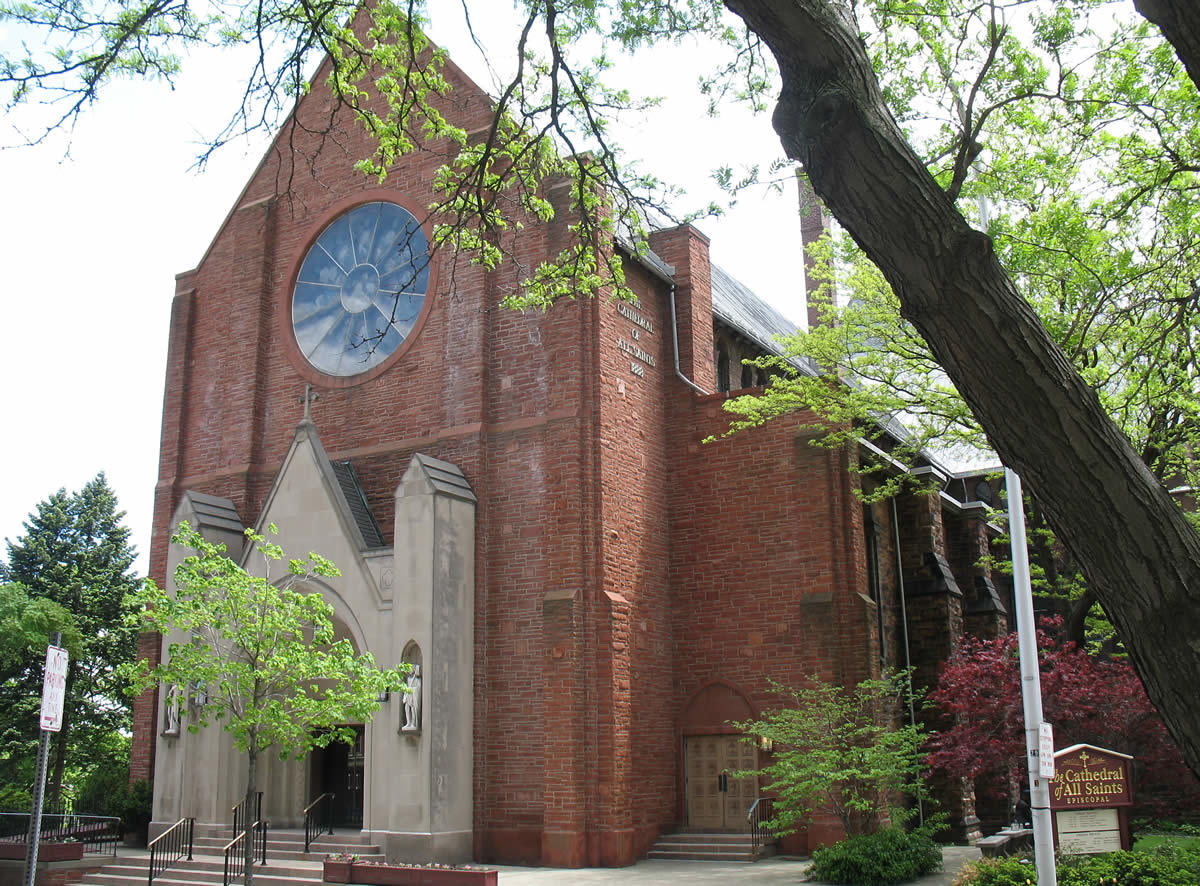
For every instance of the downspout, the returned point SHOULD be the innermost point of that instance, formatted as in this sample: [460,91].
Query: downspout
[675,343]
[912,713]
[669,279]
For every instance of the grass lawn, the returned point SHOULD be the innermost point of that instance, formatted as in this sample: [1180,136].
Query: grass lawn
[1150,841]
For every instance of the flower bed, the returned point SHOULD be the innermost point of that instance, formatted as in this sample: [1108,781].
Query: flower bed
[339,870]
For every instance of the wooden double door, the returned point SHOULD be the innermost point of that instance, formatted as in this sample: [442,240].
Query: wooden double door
[715,799]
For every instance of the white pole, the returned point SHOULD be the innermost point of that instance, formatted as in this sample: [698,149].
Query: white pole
[1031,685]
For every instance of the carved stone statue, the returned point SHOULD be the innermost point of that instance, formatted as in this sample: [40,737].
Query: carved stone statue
[172,710]
[412,701]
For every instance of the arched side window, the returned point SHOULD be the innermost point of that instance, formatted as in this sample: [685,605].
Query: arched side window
[722,368]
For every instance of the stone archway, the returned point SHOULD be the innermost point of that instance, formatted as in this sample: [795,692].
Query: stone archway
[711,748]
[340,768]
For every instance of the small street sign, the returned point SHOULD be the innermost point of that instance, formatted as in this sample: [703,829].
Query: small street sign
[54,688]
[1046,750]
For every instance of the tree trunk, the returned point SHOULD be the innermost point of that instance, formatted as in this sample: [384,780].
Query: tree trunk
[1179,20]
[248,810]
[1136,549]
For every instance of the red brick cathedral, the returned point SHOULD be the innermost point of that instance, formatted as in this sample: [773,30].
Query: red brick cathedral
[521,506]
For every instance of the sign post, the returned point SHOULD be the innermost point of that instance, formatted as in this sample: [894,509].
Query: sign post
[54,688]
[1031,689]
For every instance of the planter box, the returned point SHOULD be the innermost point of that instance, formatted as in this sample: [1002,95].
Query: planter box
[394,875]
[46,851]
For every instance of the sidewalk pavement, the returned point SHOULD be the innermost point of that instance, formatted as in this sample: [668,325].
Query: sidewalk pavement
[655,872]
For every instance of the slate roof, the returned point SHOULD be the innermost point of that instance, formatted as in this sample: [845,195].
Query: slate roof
[214,512]
[445,477]
[347,479]
[736,306]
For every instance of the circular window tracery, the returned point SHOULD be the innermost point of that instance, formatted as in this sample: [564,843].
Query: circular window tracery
[360,289]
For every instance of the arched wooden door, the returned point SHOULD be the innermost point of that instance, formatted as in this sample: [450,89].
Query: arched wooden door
[716,799]
[713,799]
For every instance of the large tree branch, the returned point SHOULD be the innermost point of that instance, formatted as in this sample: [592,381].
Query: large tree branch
[1136,548]
[1179,20]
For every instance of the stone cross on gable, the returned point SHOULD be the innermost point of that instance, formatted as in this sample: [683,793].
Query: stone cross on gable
[310,397]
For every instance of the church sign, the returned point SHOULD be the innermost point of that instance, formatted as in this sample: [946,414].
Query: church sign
[1090,796]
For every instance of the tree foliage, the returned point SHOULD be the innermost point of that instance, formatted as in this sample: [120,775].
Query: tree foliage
[902,112]
[1088,699]
[74,563]
[840,751]
[1075,123]
[257,655]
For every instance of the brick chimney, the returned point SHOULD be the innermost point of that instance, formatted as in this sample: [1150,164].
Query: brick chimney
[813,223]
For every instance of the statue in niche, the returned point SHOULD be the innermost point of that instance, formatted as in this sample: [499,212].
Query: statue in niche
[412,701]
[172,710]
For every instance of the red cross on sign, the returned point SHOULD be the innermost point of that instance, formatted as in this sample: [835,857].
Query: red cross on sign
[54,688]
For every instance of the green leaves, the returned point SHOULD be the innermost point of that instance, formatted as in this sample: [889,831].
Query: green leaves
[71,572]
[265,654]
[844,751]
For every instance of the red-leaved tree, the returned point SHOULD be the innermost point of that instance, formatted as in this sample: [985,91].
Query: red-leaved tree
[1088,700]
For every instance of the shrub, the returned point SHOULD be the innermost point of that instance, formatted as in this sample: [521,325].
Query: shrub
[105,791]
[136,815]
[15,799]
[996,872]
[891,855]
[1163,867]
[841,750]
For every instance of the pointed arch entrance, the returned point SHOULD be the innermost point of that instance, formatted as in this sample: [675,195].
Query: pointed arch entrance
[340,768]
[712,750]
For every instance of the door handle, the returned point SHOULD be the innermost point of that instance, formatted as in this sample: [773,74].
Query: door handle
[722,782]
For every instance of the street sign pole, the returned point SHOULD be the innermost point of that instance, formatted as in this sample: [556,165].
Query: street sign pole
[1031,689]
[53,687]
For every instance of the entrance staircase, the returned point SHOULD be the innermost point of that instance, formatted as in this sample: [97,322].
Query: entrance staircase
[287,862]
[693,846]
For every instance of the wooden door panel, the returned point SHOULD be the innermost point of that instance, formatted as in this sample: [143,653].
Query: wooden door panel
[708,760]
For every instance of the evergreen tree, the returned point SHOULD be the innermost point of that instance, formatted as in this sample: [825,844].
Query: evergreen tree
[75,553]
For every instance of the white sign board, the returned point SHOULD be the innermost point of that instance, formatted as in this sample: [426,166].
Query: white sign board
[54,688]
[1088,831]
[1046,750]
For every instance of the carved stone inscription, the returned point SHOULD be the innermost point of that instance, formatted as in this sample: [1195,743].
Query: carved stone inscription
[641,358]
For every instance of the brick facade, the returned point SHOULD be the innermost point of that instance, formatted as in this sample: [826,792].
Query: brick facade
[633,584]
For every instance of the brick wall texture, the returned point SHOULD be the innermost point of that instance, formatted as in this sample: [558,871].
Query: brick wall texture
[627,573]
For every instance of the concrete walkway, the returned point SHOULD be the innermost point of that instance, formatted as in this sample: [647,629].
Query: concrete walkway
[654,872]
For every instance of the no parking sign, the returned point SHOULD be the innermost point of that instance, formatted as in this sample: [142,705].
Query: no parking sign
[54,688]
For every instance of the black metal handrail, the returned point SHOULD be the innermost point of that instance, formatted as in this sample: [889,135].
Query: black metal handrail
[238,812]
[232,859]
[99,834]
[761,811]
[170,846]
[318,819]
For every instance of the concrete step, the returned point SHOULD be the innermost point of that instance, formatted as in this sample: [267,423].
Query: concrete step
[705,846]
[709,838]
[698,853]
[205,872]
[295,851]
[174,877]
[287,862]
